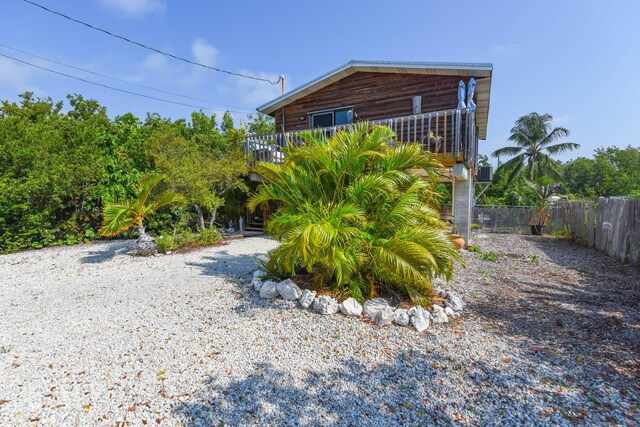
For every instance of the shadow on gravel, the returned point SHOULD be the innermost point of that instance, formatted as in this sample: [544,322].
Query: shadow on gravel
[414,388]
[597,315]
[107,252]
[223,264]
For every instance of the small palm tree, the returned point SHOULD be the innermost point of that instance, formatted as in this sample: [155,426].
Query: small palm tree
[534,140]
[351,209]
[120,217]
[543,189]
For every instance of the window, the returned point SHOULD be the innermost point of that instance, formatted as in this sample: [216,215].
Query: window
[325,119]
[343,117]
[321,120]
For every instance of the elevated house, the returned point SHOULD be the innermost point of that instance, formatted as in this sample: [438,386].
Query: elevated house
[443,106]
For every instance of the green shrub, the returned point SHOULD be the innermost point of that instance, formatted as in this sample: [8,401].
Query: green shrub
[561,233]
[188,239]
[351,210]
[489,256]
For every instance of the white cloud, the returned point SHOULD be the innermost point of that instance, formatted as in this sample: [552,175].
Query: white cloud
[562,120]
[135,8]
[257,92]
[155,63]
[204,52]
[154,67]
[507,49]
[15,75]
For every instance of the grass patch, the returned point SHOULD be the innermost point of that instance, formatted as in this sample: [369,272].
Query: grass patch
[489,256]
[563,233]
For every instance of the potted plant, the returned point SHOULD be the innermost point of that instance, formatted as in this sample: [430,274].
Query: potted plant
[543,191]
[457,239]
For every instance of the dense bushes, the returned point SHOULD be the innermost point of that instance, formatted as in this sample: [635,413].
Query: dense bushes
[351,211]
[58,166]
[188,239]
[611,172]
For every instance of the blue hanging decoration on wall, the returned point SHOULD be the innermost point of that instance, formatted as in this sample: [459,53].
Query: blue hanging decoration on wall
[470,90]
[462,92]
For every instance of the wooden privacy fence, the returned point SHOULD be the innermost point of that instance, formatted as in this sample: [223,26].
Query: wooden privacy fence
[613,226]
[580,220]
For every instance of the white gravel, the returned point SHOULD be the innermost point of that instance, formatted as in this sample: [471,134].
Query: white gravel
[91,336]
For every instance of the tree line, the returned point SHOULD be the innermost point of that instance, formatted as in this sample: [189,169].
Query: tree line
[60,163]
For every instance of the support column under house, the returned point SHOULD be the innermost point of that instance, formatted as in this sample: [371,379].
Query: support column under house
[463,195]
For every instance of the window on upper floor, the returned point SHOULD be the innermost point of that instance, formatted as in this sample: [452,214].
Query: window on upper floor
[337,117]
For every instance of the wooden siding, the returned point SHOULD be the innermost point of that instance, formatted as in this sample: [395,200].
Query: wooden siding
[374,96]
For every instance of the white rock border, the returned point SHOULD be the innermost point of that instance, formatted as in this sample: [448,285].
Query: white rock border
[377,310]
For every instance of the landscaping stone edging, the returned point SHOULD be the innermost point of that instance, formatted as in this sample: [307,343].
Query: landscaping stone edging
[377,310]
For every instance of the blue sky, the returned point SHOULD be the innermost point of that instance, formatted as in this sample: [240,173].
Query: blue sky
[577,60]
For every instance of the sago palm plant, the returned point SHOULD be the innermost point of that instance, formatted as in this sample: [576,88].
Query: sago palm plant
[351,209]
[120,217]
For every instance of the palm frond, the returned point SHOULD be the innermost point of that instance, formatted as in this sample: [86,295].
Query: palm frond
[554,135]
[507,151]
[147,185]
[165,199]
[562,147]
[117,218]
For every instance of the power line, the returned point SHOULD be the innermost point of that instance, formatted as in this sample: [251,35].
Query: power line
[117,89]
[117,79]
[179,58]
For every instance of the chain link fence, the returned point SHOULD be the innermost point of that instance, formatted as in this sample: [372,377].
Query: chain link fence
[509,219]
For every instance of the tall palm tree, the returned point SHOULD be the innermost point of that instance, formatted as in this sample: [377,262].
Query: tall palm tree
[120,217]
[351,209]
[532,155]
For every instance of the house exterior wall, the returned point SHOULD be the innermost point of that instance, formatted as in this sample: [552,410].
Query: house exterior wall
[373,96]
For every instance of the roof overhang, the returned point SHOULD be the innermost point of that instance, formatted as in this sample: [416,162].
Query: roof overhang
[481,72]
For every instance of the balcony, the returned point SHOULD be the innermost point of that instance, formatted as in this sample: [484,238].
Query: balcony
[450,135]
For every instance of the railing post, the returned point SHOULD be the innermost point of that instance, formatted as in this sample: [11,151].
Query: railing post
[429,134]
[391,124]
[457,139]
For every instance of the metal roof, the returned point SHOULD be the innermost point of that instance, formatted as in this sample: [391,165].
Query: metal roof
[481,72]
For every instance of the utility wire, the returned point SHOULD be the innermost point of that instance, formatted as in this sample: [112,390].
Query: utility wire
[149,47]
[117,79]
[117,89]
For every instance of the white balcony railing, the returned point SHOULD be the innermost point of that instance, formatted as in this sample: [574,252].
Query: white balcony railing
[449,134]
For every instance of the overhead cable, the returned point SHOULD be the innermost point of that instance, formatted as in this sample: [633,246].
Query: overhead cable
[116,78]
[117,89]
[142,45]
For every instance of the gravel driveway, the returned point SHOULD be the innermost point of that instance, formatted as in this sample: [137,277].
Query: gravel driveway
[91,336]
